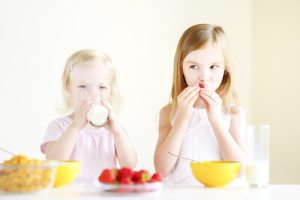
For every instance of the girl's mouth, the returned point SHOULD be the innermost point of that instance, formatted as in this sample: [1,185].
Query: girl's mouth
[202,85]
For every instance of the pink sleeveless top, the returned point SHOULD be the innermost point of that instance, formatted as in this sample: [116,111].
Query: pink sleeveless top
[95,149]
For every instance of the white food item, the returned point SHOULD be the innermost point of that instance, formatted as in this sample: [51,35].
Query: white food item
[98,115]
[257,174]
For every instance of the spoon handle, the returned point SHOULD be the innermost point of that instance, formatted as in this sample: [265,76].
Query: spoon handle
[4,150]
[182,157]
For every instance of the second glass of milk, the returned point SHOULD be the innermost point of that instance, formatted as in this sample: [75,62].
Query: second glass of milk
[257,155]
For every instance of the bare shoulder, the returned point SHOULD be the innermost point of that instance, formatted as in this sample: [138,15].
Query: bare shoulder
[237,111]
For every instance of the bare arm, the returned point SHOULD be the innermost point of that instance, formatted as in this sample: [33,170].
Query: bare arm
[126,154]
[62,148]
[170,138]
[231,144]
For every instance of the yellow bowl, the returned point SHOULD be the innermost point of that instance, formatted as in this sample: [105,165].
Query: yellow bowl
[215,173]
[66,172]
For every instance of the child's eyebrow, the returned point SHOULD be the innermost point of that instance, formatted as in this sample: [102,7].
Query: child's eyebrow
[192,62]
[80,82]
[217,63]
[195,63]
[104,84]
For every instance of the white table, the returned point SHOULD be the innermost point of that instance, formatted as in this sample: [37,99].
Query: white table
[186,192]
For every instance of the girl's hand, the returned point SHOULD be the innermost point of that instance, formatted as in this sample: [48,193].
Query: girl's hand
[80,119]
[186,100]
[113,124]
[213,103]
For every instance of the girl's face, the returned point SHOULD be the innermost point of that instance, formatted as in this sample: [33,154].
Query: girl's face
[204,66]
[91,78]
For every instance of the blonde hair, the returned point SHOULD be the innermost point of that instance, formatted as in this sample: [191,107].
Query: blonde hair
[195,38]
[83,56]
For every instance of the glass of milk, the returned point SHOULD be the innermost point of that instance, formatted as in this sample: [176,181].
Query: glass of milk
[98,114]
[257,155]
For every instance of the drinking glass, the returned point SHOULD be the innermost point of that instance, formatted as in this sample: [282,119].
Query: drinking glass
[257,155]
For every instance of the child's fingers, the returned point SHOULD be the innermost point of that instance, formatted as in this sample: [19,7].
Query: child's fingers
[207,98]
[107,104]
[186,91]
[212,95]
[85,106]
[193,99]
[215,97]
[206,92]
[88,100]
[192,94]
[85,109]
[111,113]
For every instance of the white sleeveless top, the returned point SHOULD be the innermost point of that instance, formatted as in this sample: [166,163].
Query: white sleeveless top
[199,144]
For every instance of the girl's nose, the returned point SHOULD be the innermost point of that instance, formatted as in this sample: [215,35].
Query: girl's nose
[204,76]
[95,91]
[92,90]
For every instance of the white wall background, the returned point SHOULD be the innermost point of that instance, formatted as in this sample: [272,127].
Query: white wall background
[36,38]
[276,99]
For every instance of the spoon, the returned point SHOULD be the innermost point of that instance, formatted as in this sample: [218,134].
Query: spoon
[182,157]
[4,150]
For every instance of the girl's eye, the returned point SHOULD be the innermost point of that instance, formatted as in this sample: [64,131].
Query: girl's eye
[82,86]
[214,67]
[102,87]
[194,67]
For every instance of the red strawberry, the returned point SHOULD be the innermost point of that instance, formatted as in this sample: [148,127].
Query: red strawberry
[201,85]
[124,173]
[134,177]
[157,177]
[142,176]
[126,181]
[108,176]
[125,189]
[139,182]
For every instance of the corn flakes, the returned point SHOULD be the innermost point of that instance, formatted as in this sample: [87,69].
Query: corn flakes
[21,174]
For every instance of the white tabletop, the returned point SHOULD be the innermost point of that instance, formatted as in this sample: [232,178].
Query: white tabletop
[185,192]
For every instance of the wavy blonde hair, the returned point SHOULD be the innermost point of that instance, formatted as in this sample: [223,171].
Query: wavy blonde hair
[83,56]
[195,38]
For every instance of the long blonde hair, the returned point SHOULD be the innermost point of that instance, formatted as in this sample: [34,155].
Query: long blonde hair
[83,56]
[195,38]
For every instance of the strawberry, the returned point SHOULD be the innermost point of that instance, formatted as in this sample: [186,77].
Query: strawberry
[139,182]
[108,176]
[201,85]
[124,173]
[157,177]
[134,177]
[142,176]
[125,189]
[126,181]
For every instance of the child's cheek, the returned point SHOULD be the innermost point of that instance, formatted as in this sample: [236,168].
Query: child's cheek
[105,95]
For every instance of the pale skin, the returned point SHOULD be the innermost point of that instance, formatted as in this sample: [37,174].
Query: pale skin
[203,66]
[94,77]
